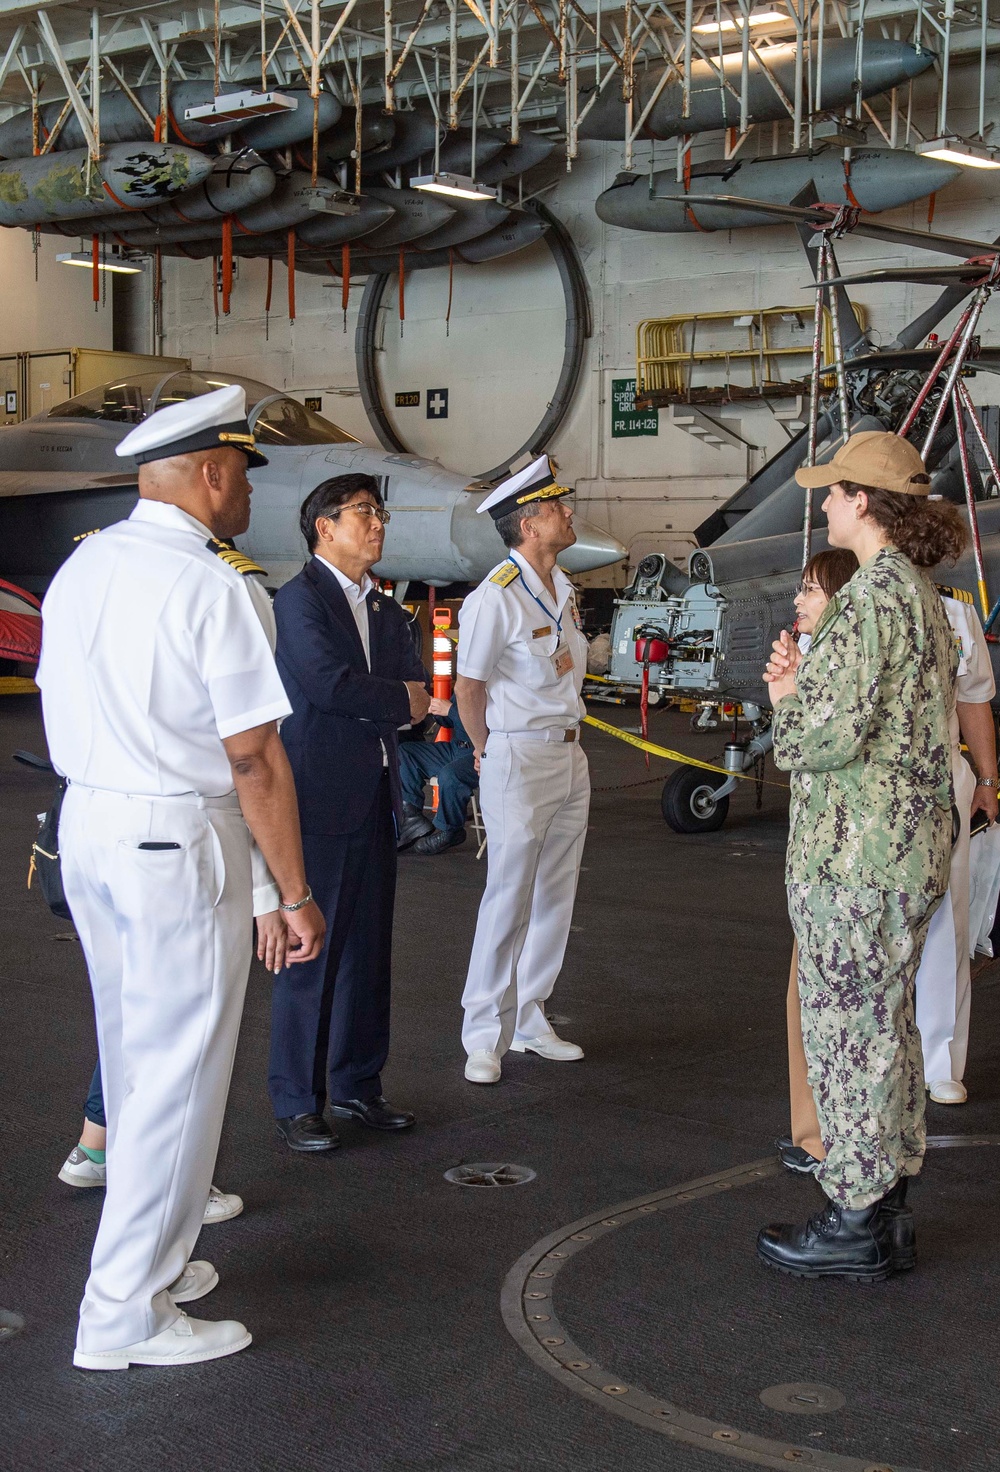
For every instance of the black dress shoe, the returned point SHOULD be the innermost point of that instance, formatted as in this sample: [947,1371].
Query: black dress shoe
[838,1243]
[794,1158]
[375,1113]
[902,1234]
[415,825]
[439,840]
[307,1132]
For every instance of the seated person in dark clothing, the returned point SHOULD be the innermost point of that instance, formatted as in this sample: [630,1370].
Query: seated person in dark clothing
[453,763]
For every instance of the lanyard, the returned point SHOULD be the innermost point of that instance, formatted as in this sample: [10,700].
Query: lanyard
[556,618]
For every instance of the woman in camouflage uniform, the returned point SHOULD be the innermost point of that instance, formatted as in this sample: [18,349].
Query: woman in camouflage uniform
[862,725]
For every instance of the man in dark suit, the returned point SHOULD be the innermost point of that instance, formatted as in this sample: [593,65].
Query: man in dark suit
[348,664]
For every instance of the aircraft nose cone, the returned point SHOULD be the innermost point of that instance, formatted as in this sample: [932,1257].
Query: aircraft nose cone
[887,63]
[593,548]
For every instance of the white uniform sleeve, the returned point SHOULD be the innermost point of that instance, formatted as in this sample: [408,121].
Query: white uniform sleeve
[483,632]
[266,896]
[975,684]
[236,664]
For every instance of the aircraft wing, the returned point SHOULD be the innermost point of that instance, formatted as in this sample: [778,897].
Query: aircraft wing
[51,482]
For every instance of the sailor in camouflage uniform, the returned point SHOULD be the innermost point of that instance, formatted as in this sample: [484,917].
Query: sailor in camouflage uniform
[862,725]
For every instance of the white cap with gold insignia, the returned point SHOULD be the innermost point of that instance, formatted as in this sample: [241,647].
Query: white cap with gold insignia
[536,482]
[207,422]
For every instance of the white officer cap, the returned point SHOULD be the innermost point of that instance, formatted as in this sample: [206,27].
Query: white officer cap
[536,482]
[203,423]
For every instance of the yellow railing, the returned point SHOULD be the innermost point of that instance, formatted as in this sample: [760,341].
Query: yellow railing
[667,348]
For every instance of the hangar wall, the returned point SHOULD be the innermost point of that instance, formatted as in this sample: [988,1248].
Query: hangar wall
[499,358]
[57,312]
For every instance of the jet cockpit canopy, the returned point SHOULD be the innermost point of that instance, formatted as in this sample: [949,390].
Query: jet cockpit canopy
[275,418]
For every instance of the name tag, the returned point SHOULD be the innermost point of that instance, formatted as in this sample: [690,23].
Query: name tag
[562,660]
[541,633]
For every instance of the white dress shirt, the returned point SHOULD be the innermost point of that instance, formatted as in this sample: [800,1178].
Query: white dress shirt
[153,650]
[509,634]
[357,600]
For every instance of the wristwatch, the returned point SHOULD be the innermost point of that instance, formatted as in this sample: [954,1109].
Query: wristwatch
[987,782]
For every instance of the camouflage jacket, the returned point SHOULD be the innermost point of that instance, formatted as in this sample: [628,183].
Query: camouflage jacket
[866,737]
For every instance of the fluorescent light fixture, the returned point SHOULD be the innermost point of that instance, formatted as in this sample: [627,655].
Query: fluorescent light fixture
[956,151]
[756,18]
[239,105]
[458,186]
[84,258]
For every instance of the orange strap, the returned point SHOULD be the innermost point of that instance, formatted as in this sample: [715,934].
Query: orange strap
[158,128]
[694,220]
[291,275]
[851,198]
[931,206]
[177,131]
[227,263]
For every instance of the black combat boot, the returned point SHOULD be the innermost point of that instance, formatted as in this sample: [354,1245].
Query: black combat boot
[838,1243]
[415,825]
[902,1235]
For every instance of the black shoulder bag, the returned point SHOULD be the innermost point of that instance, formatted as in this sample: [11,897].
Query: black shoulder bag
[45,849]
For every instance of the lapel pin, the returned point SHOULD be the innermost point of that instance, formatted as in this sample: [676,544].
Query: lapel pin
[375,605]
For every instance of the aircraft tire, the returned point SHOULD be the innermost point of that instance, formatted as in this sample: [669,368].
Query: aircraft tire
[688,804]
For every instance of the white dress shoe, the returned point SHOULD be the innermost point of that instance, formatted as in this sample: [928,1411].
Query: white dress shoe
[185,1342]
[79,1170]
[550,1046]
[947,1091]
[482,1067]
[222,1207]
[197,1279]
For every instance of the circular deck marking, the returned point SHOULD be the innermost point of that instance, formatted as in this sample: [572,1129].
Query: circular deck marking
[555,1351]
[488,1174]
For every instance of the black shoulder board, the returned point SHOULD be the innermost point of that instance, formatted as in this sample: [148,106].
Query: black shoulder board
[959,594]
[237,560]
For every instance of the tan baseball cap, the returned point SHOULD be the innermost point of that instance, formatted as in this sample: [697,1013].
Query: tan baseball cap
[873,458]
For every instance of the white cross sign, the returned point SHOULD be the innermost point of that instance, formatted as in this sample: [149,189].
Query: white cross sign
[437,403]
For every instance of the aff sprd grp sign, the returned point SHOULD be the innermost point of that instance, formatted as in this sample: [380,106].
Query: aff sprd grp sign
[626,420]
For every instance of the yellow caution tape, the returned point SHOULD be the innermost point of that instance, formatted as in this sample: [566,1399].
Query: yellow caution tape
[670,756]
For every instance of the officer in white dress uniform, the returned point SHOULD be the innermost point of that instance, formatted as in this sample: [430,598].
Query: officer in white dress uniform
[521,663]
[161,696]
[943,983]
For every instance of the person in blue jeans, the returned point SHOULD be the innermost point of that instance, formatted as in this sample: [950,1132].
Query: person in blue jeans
[453,763]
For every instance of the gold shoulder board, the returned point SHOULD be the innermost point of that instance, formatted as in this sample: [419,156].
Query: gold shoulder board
[959,594]
[237,560]
[505,573]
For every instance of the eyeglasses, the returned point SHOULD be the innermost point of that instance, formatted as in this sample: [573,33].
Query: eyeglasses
[364,508]
[804,588]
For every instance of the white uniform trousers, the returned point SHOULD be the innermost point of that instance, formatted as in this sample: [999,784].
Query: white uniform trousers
[535,799]
[944,983]
[167,936]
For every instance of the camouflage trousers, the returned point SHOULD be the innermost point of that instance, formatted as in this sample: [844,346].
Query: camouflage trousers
[859,950]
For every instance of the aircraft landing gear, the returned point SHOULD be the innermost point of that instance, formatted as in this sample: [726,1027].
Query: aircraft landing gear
[689,802]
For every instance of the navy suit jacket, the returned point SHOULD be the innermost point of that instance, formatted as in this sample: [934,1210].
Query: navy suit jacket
[342,712]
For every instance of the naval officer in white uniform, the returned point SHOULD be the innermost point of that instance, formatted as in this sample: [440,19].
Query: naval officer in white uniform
[521,663]
[944,984]
[161,700]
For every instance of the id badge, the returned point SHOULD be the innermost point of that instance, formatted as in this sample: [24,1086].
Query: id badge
[562,660]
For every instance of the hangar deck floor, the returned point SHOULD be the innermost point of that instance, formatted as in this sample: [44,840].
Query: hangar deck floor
[373,1286]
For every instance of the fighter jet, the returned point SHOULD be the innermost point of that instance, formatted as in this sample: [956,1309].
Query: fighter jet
[60,479]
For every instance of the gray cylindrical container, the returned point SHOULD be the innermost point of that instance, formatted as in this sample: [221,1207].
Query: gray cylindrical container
[337,144]
[515,159]
[68,186]
[417,214]
[414,133]
[283,128]
[885,64]
[121,121]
